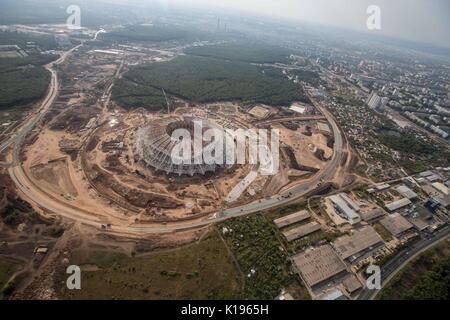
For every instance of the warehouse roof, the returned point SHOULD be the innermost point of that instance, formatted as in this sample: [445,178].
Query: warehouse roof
[292,218]
[360,240]
[406,192]
[372,214]
[351,284]
[318,264]
[434,178]
[441,188]
[301,231]
[396,224]
[426,173]
[398,204]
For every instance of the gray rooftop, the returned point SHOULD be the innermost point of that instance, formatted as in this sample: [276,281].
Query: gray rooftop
[292,218]
[361,240]
[301,231]
[396,224]
[318,264]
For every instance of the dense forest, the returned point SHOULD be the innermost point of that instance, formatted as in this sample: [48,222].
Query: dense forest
[202,79]
[309,77]
[45,42]
[134,95]
[255,53]
[24,80]
[14,64]
[22,86]
[145,33]
[427,277]
[434,285]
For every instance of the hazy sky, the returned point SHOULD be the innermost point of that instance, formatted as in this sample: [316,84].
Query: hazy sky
[418,20]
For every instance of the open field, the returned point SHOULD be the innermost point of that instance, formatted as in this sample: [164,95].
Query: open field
[55,175]
[201,270]
[426,277]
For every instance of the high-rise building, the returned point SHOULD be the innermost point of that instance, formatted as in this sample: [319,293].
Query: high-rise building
[376,102]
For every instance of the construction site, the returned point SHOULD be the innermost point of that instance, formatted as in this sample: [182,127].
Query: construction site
[104,174]
[115,162]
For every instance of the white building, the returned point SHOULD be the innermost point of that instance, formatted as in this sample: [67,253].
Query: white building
[393,206]
[406,192]
[346,207]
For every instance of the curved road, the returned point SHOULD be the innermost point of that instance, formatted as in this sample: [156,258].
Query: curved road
[47,202]
[402,258]
[53,90]
[18,138]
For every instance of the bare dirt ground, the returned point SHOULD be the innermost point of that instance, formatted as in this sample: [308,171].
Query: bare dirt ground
[305,147]
[113,182]
[55,175]
[75,159]
[45,163]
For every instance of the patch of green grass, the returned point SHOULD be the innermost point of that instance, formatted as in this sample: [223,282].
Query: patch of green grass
[7,269]
[314,238]
[9,216]
[9,288]
[361,170]
[33,217]
[199,271]
[383,232]
[54,232]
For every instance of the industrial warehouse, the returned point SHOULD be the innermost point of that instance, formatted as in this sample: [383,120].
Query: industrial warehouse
[361,241]
[319,265]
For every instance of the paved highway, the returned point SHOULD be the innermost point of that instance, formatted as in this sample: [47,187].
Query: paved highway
[390,269]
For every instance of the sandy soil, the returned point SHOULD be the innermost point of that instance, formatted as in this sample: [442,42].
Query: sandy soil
[304,146]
